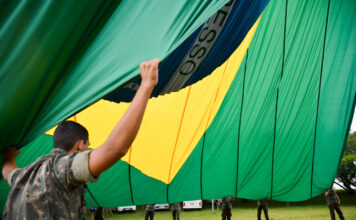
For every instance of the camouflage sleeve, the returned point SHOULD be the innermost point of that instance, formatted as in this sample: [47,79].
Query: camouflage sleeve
[73,170]
[80,167]
[12,174]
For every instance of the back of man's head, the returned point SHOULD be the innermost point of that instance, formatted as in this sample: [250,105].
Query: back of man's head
[68,133]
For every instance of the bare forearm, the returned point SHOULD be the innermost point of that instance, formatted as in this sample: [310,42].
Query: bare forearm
[337,198]
[126,130]
[121,138]
[7,168]
[9,155]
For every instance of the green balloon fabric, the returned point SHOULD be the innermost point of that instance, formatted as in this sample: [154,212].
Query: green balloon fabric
[39,42]
[281,128]
[275,135]
[58,57]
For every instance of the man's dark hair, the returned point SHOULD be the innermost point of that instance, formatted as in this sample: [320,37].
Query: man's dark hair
[68,133]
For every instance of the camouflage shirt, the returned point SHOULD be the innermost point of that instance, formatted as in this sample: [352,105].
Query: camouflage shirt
[175,207]
[150,208]
[226,203]
[262,203]
[331,199]
[52,187]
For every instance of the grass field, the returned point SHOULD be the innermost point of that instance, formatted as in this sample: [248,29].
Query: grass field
[314,209]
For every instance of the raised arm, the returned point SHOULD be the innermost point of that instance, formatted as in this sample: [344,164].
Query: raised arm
[327,192]
[121,138]
[9,161]
[337,198]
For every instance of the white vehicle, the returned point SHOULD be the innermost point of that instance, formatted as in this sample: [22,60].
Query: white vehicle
[161,206]
[126,208]
[194,204]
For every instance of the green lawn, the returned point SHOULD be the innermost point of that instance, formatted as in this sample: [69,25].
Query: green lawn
[314,209]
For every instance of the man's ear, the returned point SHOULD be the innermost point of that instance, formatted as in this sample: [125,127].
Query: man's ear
[81,145]
[76,146]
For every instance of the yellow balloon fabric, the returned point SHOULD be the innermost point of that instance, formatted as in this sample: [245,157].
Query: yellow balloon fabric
[173,124]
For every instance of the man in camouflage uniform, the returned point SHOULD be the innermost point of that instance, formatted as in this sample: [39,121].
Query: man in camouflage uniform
[150,212]
[333,202]
[52,187]
[176,211]
[226,207]
[262,204]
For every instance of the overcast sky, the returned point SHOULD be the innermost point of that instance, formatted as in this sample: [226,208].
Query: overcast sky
[353,125]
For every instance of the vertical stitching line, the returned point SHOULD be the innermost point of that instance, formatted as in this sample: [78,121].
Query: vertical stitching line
[175,145]
[206,127]
[317,107]
[275,116]
[239,128]
[130,182]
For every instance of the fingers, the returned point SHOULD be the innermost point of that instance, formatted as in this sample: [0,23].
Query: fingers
[150,64]
[155,62]
[149,72]
[143,66]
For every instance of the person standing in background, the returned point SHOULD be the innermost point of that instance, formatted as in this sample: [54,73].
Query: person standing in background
[333,202]
[262,204]
[226,207]
[175,211]
[150,212]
